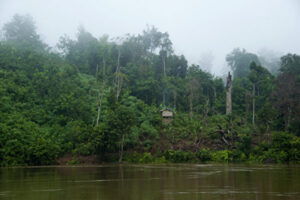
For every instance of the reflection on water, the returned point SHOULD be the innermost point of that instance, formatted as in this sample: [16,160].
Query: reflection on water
[186,181]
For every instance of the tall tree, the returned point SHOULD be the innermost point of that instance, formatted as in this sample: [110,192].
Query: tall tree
[257,76]
[239,61]
[270,59]
[21,31]
[84,52]
[287,91]
[165,50]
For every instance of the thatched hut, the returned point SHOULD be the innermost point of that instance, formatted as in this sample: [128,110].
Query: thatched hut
[167,115]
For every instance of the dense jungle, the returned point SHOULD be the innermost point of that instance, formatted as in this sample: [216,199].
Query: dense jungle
[94,99]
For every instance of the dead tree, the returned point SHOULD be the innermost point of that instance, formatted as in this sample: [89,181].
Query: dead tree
[228,95]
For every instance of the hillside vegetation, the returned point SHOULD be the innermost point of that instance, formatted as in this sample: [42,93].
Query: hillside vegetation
[99,99]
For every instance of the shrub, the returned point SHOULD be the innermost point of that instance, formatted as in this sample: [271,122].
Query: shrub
[237,156]
[204,155]
[295,150]
[281,141]
[244,144]
[146,158]
[273,156]
[179,156]
[222,156]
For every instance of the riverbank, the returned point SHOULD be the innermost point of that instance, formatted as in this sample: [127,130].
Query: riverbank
[282,148]
[177,156]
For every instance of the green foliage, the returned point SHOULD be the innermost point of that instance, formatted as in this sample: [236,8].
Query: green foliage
[281,141]
[284,147]
[273,156]
[179,156]
[228,156]
[144,158]
[21,31]
[287,91]
[244,144]
[74,161]
[222,156]
[294,152]
[23,142]
[241,98]
[204,155]
[290,64]
[100,94]
[239,61]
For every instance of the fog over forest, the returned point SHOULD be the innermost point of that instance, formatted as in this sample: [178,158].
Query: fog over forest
[91,82]
[204,31]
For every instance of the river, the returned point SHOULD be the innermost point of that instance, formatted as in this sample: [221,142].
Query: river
[145,182]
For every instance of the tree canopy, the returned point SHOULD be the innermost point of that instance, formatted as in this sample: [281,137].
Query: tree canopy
[102,96]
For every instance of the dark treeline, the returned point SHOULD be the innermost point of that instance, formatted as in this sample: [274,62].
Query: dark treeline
[100,99]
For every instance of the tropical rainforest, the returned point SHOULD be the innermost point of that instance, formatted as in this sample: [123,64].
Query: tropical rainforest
[94,100]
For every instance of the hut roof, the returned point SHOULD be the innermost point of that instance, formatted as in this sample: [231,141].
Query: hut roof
[167,113]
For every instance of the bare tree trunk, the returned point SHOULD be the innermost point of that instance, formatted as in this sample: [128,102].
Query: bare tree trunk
[164,65]
[104,63]
[97,68]
[101,91]
[100,97]
[228,95]
[118,77]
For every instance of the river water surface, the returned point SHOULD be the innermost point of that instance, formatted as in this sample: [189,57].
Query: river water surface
[145,182]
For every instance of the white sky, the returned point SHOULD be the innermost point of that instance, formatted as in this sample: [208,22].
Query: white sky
[196,27]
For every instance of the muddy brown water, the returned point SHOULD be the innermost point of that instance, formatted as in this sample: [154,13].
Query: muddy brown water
[145,182]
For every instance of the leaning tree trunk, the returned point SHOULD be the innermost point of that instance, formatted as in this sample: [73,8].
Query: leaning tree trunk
[228,95]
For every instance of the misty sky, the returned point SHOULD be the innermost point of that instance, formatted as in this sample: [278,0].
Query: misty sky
[199,29]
